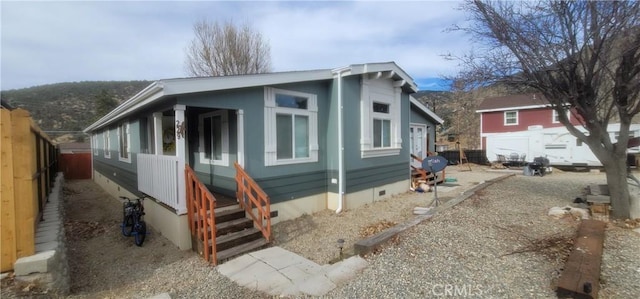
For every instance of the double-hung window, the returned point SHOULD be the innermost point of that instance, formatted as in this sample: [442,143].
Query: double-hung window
[381,125]
[123,142]
[291,127]
[213,128]
[510,118]
[107,143]
[380,118]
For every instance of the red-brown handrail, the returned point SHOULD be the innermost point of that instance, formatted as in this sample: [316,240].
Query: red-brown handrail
[422,171]
[201,216]
[250,196]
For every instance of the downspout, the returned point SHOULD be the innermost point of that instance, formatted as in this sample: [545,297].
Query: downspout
[340,143]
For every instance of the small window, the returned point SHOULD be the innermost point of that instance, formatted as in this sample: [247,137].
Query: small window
[123,141]
[289,101]
[381,108]
[510,118]
[107,144]
[146,136]
[556,118]
[94,140]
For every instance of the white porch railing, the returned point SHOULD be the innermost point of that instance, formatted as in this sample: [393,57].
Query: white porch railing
[158,177]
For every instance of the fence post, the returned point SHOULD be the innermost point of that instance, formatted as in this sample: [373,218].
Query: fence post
[7,207]
[25,189]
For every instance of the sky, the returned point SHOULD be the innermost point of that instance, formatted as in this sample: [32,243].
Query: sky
[65,41]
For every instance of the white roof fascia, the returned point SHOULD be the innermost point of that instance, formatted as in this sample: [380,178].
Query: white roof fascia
[358,69]
[426,110]
[513,108]
[194,85]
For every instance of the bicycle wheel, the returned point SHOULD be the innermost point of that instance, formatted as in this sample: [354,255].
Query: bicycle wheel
[140,232]
[127,225]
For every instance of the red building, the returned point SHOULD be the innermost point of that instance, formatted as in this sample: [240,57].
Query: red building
[525,126]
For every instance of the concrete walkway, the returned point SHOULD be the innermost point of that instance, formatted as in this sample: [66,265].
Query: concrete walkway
[279,272]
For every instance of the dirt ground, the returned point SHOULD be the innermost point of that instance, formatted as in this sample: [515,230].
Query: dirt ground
[100,257]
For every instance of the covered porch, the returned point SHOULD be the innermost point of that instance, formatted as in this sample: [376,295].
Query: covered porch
[172,139]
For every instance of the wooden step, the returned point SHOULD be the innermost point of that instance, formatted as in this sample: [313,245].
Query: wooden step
[228,215]
[233,226]
[237,238]
[242,249]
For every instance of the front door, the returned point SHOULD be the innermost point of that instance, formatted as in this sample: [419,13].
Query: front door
[418,140]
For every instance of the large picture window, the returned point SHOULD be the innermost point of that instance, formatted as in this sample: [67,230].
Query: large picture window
[380,118]
[213,128]
[291,127]
[123,142]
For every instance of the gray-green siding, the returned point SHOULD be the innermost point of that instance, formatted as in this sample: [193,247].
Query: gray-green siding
[283,182]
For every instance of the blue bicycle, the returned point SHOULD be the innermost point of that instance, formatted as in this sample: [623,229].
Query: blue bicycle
[132,223]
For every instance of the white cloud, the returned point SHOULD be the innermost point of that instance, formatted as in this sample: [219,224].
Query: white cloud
[49,42]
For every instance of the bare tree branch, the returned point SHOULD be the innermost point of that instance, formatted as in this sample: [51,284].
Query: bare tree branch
[582,55]
[221,50]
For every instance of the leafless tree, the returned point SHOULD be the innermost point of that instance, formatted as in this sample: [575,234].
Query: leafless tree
[221,50]
[582,55]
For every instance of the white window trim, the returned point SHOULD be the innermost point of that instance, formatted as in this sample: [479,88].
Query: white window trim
[128,149]
[270,130]
[382,91]
[107,143]
[517,118]
[94,139]
[554,115]
[224,114]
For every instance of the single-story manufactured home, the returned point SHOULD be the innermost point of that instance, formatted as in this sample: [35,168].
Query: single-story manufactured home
[311,140]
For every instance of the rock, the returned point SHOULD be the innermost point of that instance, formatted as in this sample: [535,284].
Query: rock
[575,212]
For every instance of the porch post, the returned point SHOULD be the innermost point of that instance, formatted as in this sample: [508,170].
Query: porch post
[180,131]
[157,129]
[240,137]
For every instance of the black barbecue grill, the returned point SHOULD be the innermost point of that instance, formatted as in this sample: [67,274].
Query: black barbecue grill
[539,166]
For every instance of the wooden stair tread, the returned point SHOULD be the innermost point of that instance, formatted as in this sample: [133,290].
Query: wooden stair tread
[236,235]
[239,250]
[229,211]
[228,215]
[225,224]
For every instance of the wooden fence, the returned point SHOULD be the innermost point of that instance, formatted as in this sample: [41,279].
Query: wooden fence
[473,156]
[76,166]
[28,170]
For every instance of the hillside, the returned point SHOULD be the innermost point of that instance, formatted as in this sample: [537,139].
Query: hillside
[68,106]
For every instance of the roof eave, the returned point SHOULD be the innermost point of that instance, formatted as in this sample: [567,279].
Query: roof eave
[153,90]
[513,108]
[368,68]
[426,110]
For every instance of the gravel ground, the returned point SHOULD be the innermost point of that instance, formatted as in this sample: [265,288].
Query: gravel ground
[499,244]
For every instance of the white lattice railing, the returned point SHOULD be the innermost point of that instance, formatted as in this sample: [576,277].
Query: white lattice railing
[158,178]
